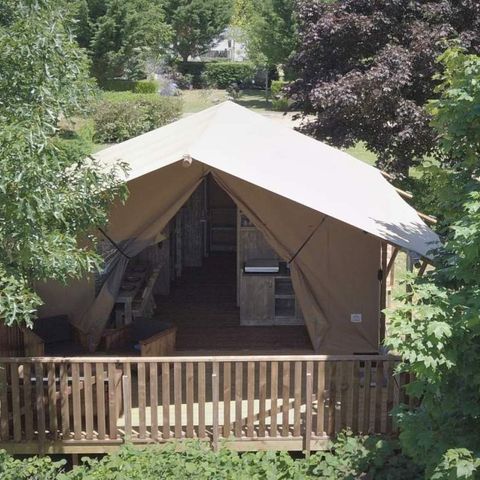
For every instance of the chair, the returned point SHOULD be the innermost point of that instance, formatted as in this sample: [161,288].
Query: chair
[145,305]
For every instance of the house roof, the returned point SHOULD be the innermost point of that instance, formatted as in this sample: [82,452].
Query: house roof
[249,146]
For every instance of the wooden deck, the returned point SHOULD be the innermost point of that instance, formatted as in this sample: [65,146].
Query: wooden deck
[203,306]
[93,405]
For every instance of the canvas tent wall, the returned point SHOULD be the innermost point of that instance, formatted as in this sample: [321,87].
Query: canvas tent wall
[319,208]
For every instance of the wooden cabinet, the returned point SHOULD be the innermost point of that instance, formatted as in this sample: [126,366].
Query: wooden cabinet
[264,299]
[256,300]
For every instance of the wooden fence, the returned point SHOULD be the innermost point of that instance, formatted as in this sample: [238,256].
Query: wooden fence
[92,405]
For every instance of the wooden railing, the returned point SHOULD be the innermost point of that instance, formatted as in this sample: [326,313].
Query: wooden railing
[92,405]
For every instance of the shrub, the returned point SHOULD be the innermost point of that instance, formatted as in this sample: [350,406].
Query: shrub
[194,71]
[34,468]
[224,74]
[184,81]
[118,85]
[145,86]
[120,116]
[279,101]
[349,458]
[352,457]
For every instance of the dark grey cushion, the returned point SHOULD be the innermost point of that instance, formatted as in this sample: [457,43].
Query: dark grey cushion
[53,329]
[147,327]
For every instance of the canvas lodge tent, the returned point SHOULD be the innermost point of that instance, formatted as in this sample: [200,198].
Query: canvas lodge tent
[320,209]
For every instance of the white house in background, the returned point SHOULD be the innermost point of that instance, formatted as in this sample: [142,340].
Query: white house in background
[228,46]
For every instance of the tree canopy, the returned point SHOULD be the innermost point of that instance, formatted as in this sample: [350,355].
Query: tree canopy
[51,193]
[270,30]
[120,35]
[365,71]
[436,327]
[196,23]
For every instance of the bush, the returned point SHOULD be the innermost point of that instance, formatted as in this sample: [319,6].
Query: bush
[195,71]
[349,458]
[118,85]
[352,457]
[279,101]
[120,116]
[225,74]
[34,468]
[183,81]
[145,86]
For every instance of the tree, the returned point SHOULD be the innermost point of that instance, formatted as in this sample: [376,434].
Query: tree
[197,23]
[125,36]
[366,68]
[271,32]
[51,193]
[436,328]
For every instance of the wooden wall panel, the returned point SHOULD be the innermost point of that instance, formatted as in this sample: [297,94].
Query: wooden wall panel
[193,228]
[11,341]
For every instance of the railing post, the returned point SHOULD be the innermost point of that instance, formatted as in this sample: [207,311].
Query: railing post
[215,395]
[307,434]
[127,407]
[4,434]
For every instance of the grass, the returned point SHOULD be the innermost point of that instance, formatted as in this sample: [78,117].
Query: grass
[197,100]
[255,100]
[361,152]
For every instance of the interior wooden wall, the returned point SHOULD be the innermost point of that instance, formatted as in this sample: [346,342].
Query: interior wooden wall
[193,217]
[11,341]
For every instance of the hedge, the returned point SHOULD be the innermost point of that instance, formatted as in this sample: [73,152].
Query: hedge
[194,71]
[123,85]
[217,74]
[118,85]
[123,115]
[349,458]
[224,74]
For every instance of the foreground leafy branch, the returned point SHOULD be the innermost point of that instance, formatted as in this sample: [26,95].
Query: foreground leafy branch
[436,329]
[51,192]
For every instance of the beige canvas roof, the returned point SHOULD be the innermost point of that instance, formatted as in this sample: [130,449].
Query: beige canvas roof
[248,146]
[321,210]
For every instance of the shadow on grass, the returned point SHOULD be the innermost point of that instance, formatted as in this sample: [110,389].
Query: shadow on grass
[254,99]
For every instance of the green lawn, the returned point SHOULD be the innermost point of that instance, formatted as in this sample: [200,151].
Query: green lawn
[361,152]
[196,100]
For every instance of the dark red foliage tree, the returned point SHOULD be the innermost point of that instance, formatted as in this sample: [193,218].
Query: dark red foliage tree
[366,68]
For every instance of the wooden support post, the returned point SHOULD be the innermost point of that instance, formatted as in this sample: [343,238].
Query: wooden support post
[383,292]
[422,268]
[391,261]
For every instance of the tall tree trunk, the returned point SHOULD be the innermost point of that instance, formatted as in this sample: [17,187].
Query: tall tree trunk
[266,84]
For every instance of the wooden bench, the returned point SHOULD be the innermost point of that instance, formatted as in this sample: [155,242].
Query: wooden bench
[161,344]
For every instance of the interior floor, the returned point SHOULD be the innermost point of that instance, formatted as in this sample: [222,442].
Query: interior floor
[202,304]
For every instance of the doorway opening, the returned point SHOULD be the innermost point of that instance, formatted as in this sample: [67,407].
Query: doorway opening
[216,306]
